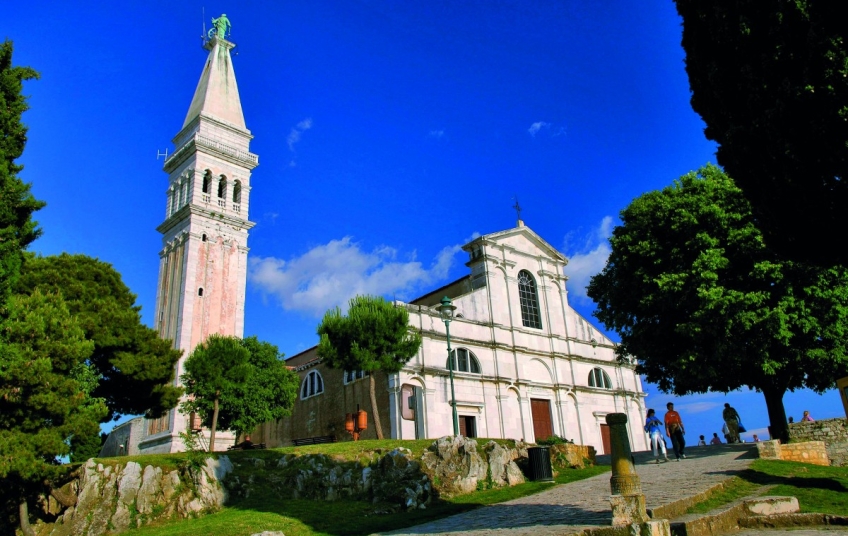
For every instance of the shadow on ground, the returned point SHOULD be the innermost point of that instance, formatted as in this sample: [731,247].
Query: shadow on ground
[746,451]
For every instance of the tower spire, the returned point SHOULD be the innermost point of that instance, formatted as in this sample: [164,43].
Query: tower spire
[217,94]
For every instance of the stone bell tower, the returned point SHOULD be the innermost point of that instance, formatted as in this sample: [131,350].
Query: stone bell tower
[203,261]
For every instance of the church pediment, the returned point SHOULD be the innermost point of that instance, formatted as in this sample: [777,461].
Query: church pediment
[521,239]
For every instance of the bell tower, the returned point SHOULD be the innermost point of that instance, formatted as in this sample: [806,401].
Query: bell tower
[203,261]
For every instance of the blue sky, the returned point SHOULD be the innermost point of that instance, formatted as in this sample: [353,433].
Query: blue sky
[388,134]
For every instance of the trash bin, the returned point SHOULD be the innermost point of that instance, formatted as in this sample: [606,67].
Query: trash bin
[540,464]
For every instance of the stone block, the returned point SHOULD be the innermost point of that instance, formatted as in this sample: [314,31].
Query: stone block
[769,450]
[628,509]
[771,505]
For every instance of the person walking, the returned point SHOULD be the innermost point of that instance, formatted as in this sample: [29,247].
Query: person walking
[675,431]
[653,426]
[731,419]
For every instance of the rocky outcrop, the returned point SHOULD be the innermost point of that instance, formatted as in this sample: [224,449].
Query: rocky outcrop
[113,498]
[569,455]
[450,466]
[455,466]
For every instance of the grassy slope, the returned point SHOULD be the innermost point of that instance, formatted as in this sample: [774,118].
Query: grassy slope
[307,517]
[817,488]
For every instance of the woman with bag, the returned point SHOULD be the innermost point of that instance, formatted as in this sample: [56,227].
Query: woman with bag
[653,427]
[732,420]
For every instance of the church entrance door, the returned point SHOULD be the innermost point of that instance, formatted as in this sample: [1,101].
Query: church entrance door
[541,411]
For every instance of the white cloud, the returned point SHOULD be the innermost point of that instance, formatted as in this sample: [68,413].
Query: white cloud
[536,127]
[697,407]
[437,134]
[330,274]
[296,131]
[588,258]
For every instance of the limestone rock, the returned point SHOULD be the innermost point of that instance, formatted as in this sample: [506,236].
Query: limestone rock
[112,499]
[455,464]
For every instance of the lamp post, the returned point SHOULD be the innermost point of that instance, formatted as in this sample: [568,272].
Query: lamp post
[446,312]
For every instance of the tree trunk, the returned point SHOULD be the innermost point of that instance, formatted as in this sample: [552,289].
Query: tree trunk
[23,513]
[374,412]
[214,423]
[778,427]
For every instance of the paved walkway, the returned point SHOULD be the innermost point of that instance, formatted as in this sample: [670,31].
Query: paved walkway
[586,503]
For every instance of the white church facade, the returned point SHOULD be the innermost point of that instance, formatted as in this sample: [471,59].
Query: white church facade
[526,365]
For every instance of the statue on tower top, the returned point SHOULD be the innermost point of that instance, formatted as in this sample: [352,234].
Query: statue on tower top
[220,27]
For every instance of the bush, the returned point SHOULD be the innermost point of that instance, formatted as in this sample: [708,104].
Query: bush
[554,440]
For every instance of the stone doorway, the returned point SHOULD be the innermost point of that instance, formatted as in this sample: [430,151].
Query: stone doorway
[541,412]
[467,426]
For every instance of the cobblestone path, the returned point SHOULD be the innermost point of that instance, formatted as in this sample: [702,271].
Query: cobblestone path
[586,503]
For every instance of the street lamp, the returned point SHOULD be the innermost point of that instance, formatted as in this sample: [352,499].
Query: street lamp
[446,312]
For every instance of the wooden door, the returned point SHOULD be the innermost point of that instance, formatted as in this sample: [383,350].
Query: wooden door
[541,412]
[467,426]
[605,438]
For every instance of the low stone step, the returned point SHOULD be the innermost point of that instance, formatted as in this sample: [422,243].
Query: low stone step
[729,517]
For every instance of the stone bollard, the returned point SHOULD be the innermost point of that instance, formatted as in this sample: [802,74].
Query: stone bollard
[627,499]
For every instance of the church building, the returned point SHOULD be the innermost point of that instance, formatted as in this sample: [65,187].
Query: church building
[526,365]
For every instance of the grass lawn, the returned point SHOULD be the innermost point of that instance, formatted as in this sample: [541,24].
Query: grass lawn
[818,488]
[307,517]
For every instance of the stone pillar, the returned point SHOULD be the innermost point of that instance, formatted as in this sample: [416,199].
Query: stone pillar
[627,499]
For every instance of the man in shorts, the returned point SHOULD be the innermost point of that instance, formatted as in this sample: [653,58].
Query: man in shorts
[674,429]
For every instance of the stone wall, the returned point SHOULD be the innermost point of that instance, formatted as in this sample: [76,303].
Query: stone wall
[803,451]
[833,432]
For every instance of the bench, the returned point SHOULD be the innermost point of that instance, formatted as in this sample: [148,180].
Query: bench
[314,440]
[252,447]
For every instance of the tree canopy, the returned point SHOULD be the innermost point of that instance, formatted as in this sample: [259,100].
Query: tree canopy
[216,367]
[267,393]
[17,228]
[374,335]
[42,404]
[136,366]
[704,305]
[770,80]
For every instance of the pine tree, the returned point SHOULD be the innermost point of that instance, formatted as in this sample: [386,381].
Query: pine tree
[375,335]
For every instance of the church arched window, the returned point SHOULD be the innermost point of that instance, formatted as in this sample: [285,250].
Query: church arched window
[313,384]
[237,192]
[222,187]
[463,361]
[529,299]
[599,378]
[207,182]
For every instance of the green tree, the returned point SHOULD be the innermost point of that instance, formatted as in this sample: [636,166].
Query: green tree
[770,80]
[42,404]
[17,229]
[87,446]
[703,305]
[134,365]
[375,335]
[217,366]
[267,393]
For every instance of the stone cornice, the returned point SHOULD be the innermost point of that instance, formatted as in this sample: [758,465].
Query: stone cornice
[204,144]
[193,210]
